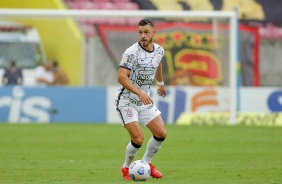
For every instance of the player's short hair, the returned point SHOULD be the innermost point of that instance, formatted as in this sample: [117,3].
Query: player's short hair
[144,22]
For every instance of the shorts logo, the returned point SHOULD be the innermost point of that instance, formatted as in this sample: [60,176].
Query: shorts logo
[129,112]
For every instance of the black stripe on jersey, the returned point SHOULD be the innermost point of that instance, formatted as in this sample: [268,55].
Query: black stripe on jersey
[125,67]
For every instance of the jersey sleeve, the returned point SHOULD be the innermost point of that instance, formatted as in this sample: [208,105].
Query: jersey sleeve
[161,52]
[128,59]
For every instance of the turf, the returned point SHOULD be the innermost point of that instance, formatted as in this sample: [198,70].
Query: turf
[93,153]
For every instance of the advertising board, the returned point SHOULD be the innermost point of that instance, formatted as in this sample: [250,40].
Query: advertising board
[52,104]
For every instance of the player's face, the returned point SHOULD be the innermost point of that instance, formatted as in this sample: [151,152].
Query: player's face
[146,34]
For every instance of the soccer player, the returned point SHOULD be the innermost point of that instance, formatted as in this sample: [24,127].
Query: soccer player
[139,66]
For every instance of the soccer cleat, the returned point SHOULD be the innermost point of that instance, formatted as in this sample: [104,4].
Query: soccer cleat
[154,172]
[125,173]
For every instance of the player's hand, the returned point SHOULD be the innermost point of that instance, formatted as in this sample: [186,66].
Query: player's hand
[146,99]
[161,91]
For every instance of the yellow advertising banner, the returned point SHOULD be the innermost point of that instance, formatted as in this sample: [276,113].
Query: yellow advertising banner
[222,118]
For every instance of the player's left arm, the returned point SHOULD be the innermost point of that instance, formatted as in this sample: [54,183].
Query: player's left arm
[159,76]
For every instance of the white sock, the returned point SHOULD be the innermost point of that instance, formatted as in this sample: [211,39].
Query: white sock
[152,148]
[131,151]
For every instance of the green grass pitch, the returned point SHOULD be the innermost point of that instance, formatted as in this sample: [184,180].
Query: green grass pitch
[94,153]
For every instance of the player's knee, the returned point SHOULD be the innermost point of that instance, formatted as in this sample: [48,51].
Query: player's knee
[138,141]
[161,135]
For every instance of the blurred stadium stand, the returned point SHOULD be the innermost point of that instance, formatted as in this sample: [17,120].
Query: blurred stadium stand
[88,24]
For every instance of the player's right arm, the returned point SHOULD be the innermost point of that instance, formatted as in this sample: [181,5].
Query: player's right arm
[123,79]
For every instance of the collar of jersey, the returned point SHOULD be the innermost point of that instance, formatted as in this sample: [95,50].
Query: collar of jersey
[146,49]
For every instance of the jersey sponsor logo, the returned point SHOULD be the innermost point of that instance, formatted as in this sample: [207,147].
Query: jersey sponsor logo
[146,72]
[144,78]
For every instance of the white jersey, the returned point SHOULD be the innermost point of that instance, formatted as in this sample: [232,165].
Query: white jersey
[143,65]
[40,72]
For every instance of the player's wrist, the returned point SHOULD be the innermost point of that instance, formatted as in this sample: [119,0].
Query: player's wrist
[160,83]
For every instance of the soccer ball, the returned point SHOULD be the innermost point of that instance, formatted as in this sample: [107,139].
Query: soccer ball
[139,170]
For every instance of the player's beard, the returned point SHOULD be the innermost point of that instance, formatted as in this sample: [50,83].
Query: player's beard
[147,43]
